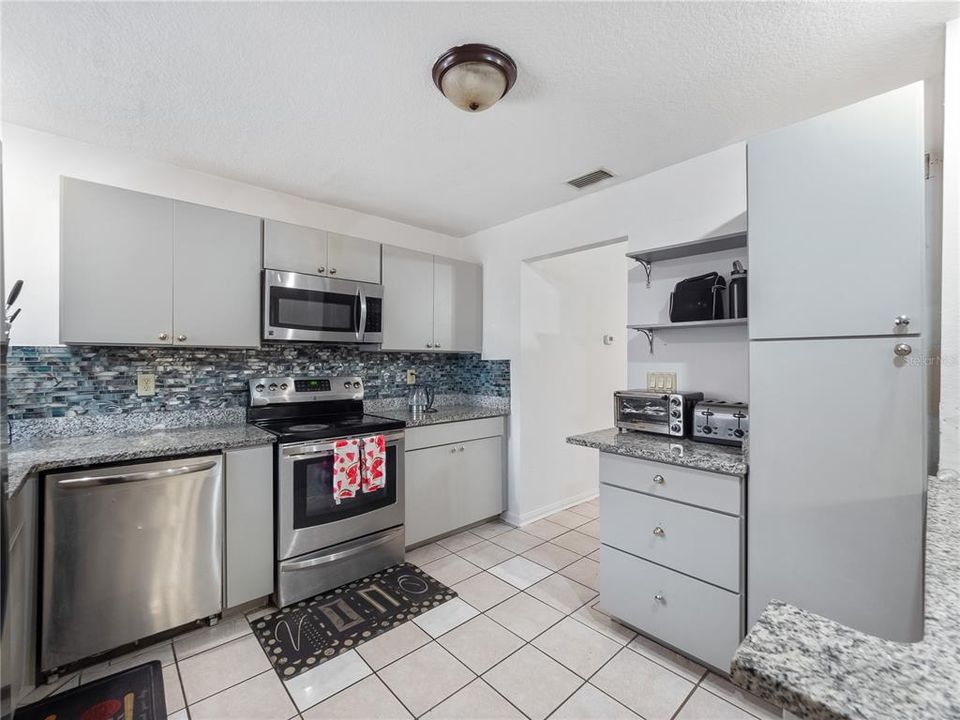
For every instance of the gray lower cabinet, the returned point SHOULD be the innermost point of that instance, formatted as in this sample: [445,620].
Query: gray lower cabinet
[138,269]
[672,554]
[19,651]
[456,482]
[249,524]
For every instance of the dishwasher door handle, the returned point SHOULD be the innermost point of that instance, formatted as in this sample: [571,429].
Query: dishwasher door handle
[103,480]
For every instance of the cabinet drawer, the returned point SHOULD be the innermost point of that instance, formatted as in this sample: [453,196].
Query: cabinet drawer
[454,432]
[710,490]
[697,542]
[698,619]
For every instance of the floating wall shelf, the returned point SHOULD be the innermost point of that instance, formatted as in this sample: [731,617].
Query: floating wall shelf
[718,243]
[649,329]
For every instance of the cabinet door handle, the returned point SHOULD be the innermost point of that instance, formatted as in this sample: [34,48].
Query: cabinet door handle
[658,531]
[453,450]
[436,345]
[333,271]
[182,338]
[461,448]
[902,350]
[162,336]
[429,345]
[321,270]
[658,479]
[901,321]
[659,598]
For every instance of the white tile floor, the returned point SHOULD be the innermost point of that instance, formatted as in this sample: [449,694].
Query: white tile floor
[524,640]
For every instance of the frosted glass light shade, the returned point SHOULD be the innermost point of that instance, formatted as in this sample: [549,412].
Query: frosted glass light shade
[473,86]
[473,77]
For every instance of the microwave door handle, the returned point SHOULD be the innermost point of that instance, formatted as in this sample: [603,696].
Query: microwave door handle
[361,331]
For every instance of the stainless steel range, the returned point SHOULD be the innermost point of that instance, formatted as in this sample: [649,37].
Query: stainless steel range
[321,543]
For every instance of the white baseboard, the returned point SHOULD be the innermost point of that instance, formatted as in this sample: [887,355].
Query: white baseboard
[526,518]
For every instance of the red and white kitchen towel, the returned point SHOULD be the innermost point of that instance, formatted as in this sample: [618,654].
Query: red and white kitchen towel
[358,464]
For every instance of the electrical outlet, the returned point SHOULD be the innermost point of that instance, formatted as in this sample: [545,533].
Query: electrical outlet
[665,382]
[411,377]
[146,384]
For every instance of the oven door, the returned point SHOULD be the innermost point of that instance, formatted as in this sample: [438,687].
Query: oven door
[650,413]
[308,519]
[311,308]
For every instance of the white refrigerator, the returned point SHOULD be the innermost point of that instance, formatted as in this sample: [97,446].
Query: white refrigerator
[838,383]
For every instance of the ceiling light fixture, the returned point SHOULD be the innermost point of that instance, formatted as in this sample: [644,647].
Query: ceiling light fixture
[473,77]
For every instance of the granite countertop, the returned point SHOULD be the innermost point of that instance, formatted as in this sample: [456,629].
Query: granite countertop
[661,448]
[443,414]
[28,457]
[820,669]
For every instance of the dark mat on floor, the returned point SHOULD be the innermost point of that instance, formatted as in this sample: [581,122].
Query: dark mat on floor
[134,694]
[311,632]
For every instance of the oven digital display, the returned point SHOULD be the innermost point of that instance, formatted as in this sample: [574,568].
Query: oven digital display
[312,385]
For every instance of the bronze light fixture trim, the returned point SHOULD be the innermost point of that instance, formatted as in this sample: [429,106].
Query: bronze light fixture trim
[474,77]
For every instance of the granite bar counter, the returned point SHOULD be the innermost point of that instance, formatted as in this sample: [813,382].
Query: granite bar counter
[661,448]
[32,456]
[820,669]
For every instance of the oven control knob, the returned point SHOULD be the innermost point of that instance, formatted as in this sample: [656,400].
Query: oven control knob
[738,433]
[707,429]
[259,388]
[273,387]
[283,386]
[675,427]
[347,384]
[675,401]
[675,413]
[356,385]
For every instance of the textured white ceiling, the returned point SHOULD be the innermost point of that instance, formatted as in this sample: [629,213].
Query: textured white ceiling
[334,101]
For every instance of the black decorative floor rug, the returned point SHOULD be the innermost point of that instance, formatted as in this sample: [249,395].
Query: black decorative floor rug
[303,635]
[134,694]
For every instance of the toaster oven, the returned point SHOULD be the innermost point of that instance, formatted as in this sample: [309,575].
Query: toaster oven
[655,412]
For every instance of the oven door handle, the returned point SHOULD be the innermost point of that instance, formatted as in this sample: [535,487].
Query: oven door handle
[317,450]
[325,559]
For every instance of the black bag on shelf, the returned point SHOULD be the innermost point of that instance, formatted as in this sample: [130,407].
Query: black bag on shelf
[698,298]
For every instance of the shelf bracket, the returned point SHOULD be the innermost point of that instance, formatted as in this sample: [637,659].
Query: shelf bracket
[647,267]
[649,336]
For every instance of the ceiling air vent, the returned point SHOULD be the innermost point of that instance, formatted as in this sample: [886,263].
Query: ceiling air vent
[590,178]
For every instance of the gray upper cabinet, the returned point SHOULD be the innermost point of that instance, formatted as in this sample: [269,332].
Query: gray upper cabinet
[836,222]
[116,275]
[296,248]
[216,277]
[139,269]
[351,258]
[457,304]
[407,299]
[431,302]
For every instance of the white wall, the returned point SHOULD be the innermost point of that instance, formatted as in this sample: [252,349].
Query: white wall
[950,299]
[34,161]
[697,198]
[565,376]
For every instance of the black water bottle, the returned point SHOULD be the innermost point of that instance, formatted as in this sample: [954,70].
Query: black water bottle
[737,291]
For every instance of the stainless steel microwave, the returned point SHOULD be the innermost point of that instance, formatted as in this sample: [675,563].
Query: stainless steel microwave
[307,308]
[655,412]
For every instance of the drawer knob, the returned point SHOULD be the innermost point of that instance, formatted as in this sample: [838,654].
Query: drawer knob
[658,479]
[658,597]
[658,531]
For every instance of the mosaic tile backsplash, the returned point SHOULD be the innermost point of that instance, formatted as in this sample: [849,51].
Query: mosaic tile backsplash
[52,381]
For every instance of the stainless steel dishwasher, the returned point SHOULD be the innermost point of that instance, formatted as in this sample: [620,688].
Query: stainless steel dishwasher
[128,551]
